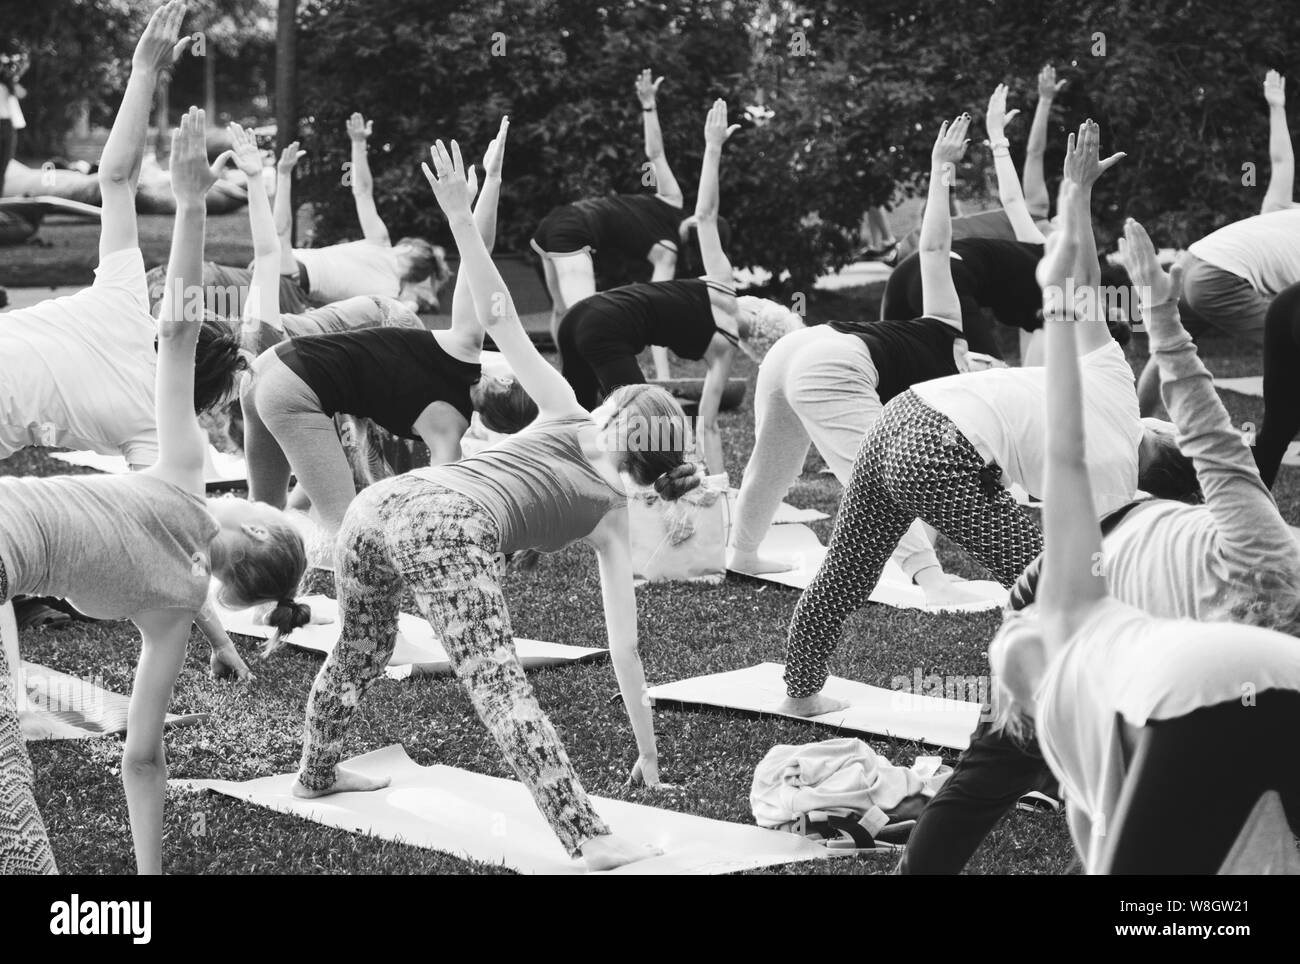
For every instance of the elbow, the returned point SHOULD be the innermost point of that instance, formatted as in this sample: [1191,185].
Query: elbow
[138,769]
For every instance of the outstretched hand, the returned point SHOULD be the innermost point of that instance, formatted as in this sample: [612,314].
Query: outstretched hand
[360,129]
[716,129]
[951,143]
[1048,85]
[450,186]
[246,154]
[1154,285]
[1083,164]
[494,156]
[289,158]
[997,116]
[647,86]
[159,47]
[191,173]
[1275,89]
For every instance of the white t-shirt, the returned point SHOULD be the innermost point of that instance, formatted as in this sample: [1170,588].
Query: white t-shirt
[78,371]
[1265,250]
[1002,412]
[1125,663]
[346,270]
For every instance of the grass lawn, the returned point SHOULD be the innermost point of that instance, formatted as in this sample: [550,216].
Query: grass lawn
[686,630]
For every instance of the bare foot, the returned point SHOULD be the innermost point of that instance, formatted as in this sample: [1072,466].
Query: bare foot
[754,564]
[345,781]
[814,705]
[609,851]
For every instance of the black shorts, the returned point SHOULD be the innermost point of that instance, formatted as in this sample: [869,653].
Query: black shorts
[562,232]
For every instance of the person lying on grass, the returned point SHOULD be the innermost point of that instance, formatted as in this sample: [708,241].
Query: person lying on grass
[697,318]
[440,534]
[142,546]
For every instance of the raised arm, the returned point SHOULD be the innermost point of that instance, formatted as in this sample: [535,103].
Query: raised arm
[119,164]
[496,309]
[614,557]
[262,304]
[938,293]
[1071,580]
[465,327]
[1037,200]
[1083,166]
[665,183]
[363,184]
[289,158]
[1281,156]
[180,440]
[716,132]
[1009,194]
[1250,532]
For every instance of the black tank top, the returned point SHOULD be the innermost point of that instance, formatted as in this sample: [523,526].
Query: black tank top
[905,352]
[675,314]
[389,375]
[1002,273]
[629,225]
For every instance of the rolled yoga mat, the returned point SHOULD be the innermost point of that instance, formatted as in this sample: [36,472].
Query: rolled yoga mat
[495,821]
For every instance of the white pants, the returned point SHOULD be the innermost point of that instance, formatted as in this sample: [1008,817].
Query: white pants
[816,385]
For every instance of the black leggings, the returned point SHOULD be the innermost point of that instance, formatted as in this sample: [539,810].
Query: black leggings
[1193,780]
[593,359]
[1281,383]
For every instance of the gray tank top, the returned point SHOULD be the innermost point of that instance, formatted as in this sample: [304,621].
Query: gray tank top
[537,485]
[112,545]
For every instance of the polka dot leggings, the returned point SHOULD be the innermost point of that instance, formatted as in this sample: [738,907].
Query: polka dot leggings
[914,463]
[409,532]
[24,846]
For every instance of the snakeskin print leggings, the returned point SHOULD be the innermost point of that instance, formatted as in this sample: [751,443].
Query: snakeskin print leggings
[24,846]
[914,463]
[408,532]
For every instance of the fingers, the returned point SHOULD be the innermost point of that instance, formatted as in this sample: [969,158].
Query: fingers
[182,45]
[1111,161]
[1010,114]
[222,160]
[429,175]
[458,165]
[1175,282]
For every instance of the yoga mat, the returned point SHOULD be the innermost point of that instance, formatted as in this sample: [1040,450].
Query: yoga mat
[1250,385]
[218,467]
[418,650]
[1292,456]
[799,544]
[785,512]
[872,710]
[495,821]
[58,706]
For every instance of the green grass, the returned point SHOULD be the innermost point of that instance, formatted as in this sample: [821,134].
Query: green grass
[686,630]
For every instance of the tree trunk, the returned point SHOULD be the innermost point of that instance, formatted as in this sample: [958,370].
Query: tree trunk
[210,84]
[161,118]
[286,73]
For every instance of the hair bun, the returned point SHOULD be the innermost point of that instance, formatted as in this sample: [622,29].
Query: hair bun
[288,615]
[676,482]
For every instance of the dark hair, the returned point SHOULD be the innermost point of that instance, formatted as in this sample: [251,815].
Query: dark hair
[675,483]
[218,361]
[506,410]
[644,413]
[1168,474]
[288,615]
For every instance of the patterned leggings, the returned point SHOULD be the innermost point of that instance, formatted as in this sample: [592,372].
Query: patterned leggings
[24,846]
[914,463]
[409,532]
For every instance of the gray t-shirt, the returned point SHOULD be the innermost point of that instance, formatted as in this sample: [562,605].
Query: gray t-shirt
[112,545]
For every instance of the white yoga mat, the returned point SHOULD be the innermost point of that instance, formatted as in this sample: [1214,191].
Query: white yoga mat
[418,650]
[799,544]
[1250,385]
[1292,456]
[495,821]
[785,512]
[872,710]
[218,467]
[57,706]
